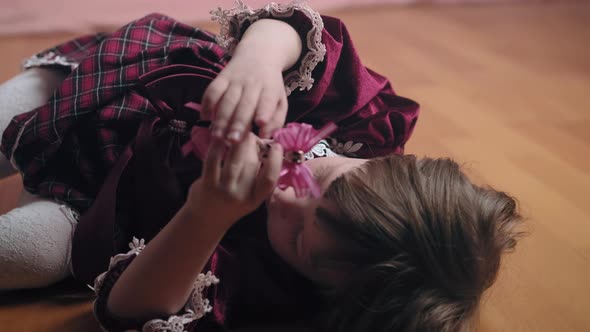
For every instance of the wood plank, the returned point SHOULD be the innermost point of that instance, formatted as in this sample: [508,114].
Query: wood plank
[504,90]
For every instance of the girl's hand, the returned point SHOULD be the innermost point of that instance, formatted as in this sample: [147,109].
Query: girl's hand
[247,90]
[234,181]
[251,88]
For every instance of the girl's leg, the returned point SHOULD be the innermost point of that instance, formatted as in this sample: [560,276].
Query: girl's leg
[35,238]
[35,244]
[25,92]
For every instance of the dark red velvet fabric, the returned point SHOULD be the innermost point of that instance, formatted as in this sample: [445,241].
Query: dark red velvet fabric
[66,147]
[90,129]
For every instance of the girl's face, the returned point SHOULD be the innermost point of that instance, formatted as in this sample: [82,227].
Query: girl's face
[295,225]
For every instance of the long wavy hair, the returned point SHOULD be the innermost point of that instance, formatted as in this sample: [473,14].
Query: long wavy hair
[427,244]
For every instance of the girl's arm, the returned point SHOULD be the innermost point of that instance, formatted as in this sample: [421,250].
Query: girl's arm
[372,119]
[159,281]
[169,265]
[250,88]
[266,49]
[275,41]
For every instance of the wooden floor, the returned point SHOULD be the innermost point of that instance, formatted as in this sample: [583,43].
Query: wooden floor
[505,89]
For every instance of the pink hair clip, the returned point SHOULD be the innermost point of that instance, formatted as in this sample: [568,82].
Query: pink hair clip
[296,138]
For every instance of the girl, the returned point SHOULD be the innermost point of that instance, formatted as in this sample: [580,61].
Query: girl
[393,243]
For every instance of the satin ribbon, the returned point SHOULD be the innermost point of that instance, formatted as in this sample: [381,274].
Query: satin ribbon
[297,139]
[143,168]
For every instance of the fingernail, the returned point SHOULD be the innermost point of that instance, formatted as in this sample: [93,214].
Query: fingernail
[234,135]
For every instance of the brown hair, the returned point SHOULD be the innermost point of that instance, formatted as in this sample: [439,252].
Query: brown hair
[427,244]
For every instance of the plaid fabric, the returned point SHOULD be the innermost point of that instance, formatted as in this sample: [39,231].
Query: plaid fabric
[65,148]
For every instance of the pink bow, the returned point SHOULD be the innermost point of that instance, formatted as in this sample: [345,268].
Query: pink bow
[296,138]
[198,143]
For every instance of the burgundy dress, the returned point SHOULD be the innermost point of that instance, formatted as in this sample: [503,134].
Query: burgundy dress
[107,144]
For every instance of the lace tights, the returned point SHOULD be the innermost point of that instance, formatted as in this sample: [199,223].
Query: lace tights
[35,238]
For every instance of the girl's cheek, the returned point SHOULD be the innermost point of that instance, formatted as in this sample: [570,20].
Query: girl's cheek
[289,206]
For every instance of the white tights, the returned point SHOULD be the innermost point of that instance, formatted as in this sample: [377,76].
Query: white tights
[35,238]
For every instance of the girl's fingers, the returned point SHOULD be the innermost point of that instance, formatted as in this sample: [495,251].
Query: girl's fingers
[211,97]
[269,172]
[225,109]
[237,158]
[277,120]
[265,107]
[213,161]
[242,117]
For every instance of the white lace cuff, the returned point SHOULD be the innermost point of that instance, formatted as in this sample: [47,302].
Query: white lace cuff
[331,147]
[233,20]
[48,59]
[322,149]
[195,308]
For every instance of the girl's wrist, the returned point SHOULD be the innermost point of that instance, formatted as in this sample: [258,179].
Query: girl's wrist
[205,216]
[274,42]
[259,53]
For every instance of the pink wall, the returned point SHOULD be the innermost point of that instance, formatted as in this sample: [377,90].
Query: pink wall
[43,16]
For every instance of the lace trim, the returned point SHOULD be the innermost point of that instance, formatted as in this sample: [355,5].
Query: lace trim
[322,149]
[232,19]
[195,308]
[173,324]
[17,141]
[72,215]
[348,149]
[48,59]
[136,247]
[333,148]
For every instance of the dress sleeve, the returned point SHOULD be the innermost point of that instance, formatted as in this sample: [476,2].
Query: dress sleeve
[307,22]
[372,119]
[195,308]
[66,56]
